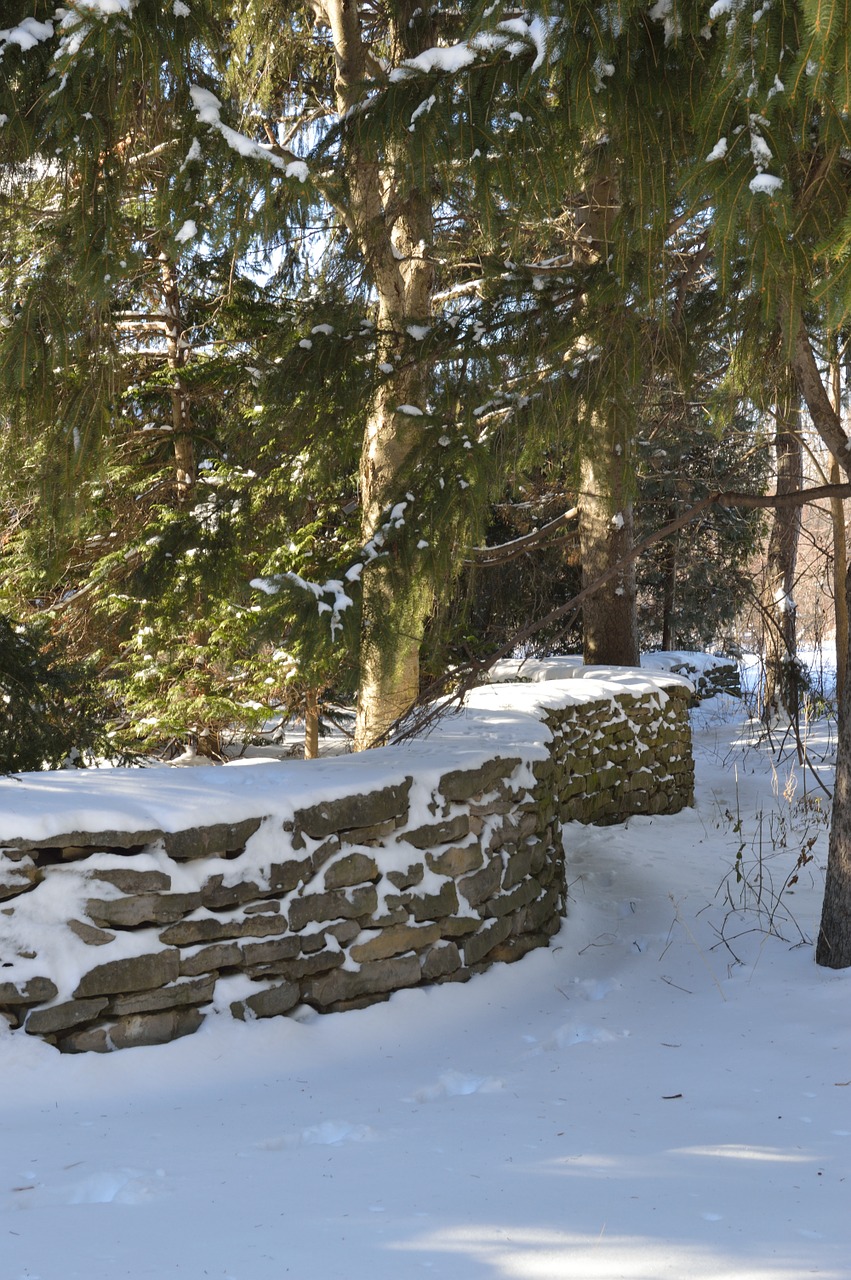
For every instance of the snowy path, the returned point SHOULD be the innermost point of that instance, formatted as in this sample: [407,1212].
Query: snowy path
[629,1103]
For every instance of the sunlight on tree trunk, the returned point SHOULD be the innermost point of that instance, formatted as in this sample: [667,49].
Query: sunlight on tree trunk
[311,724]
[389,680]
[610,633]
[398,255]
[394,612]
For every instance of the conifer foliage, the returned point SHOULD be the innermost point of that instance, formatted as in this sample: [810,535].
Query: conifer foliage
[291,291]
[49,714]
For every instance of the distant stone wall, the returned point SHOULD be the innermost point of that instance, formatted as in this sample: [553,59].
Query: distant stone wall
[710,674]
[347,901]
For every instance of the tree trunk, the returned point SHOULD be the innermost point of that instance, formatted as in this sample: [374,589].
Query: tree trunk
[393,225]
[778,603]
[311,724]
[840,565]
[609,626]
[609,622]
[840,549]
[833,948]
[394,611]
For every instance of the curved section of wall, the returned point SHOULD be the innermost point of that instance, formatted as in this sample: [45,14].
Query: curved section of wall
[134,903]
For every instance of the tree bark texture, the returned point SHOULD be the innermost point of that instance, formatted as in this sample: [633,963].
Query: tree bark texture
[833,948]
[840,547]
[393,224]
[311,724]
[609,626]
[609,621]
[840,601]
[778,600]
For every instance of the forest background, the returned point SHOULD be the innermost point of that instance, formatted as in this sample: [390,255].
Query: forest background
[345,348]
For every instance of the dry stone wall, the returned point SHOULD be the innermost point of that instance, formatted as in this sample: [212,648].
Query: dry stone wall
[112,938]
[710,674]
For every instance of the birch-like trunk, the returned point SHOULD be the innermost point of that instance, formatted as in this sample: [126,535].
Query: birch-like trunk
[393,224]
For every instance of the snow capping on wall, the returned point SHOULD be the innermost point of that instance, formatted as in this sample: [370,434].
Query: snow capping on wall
[709,673]
[136,903]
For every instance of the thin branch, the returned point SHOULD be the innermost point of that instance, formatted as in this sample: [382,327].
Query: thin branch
[434,702]
[505,551]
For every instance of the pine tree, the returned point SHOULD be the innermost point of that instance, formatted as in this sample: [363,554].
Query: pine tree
[210,133]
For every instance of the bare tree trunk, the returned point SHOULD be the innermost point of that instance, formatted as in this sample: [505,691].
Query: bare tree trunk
[833,948]
[840,601]
[609,626]
[311,724]
[184,445]
[840,548]
[778,603]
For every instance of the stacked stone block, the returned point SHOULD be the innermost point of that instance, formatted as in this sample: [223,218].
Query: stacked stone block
[362,895]
[609,761]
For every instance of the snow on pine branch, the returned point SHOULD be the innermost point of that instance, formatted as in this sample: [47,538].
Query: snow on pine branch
[26,35]
[73,24]
[334,588]
[208,109]
[513,36]
[331,596]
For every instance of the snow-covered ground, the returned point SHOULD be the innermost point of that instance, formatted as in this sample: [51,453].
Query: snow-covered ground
[665,1092]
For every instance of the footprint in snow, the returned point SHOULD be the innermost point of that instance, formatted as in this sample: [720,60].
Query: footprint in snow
[455,1084]
[595,988]
[106,1186]
[329,1133]
[579,1033]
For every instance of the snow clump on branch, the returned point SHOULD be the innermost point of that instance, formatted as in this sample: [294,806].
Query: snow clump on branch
[208,109]
[513,36]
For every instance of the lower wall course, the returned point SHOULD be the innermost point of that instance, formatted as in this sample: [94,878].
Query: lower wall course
[332,924]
